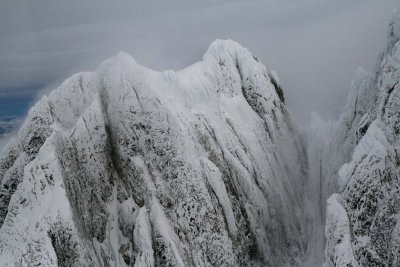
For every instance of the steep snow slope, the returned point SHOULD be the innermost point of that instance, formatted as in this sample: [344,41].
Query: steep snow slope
[362,221]
[130,167]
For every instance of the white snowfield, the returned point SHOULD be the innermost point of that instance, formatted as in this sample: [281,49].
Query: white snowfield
[126,166]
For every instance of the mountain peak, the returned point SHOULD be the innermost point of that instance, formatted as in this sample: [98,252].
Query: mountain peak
[168,168]
[222,47]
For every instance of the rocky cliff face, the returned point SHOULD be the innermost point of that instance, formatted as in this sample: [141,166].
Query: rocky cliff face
[362,220]
[130,167]
[126,166]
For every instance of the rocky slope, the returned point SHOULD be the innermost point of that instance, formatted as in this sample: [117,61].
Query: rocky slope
[130,167]
[362,220]
[126,166]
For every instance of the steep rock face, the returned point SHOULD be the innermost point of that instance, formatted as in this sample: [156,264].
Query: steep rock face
[130,167]
[362,221]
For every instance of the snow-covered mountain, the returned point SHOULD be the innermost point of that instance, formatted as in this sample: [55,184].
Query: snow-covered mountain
[362,220]
[126,166]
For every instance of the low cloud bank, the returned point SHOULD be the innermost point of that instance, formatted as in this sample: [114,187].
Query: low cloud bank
[315,46]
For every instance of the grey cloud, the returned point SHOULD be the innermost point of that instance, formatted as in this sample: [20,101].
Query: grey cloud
[315,46]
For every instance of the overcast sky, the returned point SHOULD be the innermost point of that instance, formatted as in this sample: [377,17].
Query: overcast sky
[314,45]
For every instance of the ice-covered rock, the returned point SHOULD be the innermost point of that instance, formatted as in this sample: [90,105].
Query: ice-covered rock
[126,166]
[366,218]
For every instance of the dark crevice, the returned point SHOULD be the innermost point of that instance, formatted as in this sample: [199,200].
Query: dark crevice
[278,88]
